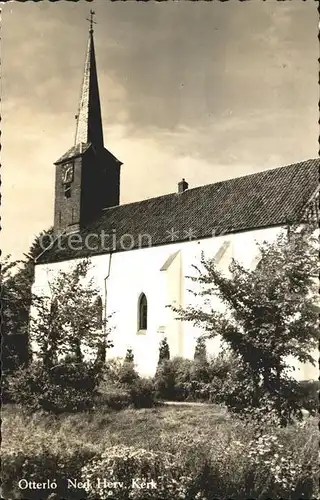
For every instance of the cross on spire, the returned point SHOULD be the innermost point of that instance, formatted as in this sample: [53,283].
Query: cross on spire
[91,21]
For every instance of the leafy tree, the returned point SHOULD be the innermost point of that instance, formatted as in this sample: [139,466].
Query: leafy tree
[69,322]
[40,243]
[270,313]
[16,282]
[15,304]
[164,351]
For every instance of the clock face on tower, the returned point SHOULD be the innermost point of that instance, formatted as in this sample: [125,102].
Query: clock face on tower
[67,173]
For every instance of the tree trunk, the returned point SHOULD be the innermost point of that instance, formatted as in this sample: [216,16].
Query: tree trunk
[77,352]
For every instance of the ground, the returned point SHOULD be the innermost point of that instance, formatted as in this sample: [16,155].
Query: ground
[143,428]
[195,435]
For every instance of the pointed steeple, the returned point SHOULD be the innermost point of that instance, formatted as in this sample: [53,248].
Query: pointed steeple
[89,121]
[87,175]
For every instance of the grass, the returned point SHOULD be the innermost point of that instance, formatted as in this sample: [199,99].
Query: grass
[144,428]
[195,435]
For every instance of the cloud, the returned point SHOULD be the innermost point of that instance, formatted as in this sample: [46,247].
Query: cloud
[202,90]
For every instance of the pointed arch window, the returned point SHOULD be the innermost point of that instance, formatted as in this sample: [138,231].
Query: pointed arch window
[142,312]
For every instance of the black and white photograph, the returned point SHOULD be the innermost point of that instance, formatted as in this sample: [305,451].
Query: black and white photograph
[160,250]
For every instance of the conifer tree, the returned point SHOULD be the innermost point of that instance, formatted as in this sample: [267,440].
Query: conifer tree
[129,357]
[164,351]
[200,352]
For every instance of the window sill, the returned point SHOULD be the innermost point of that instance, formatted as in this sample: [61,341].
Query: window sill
[141,332]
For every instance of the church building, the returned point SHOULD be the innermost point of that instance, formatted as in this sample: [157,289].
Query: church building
[143,252]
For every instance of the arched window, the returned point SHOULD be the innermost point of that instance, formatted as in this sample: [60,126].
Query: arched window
[143,312]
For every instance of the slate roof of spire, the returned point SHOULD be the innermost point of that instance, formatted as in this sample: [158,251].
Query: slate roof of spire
[89,121]
[265,199]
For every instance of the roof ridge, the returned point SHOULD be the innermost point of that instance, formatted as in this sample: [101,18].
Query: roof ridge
[212,184]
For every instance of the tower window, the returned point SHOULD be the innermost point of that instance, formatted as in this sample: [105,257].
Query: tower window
[143,312]
[67,190]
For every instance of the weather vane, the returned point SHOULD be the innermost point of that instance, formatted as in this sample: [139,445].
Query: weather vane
[92,22]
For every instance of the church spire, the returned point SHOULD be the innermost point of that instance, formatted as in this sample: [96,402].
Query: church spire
[89,121]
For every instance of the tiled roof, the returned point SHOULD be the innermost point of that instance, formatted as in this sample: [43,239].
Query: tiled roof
[265,199]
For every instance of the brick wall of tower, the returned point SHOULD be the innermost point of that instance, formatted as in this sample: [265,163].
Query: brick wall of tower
[95,185]
[67,211]
[101,184]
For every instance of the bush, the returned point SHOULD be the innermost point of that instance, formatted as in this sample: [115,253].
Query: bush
[179,380]
[142,393]
[127,374]
[6,396]
[309,395]
[118,371]
[114,396]
[41,466]
[165,380]
[237,391]
[122,387]
[112,368]
[39,456]
[65,388]
[182,379]
[129,465]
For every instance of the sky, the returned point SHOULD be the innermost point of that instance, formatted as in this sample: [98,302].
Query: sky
[201,90]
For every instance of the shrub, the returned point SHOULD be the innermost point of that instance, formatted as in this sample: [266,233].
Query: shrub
[6,396]
[40,456]
[118,371]
[181,369]
[127,374]
[181,379]
[65,388]
[112,368]
[122,387]
[41,466]
[164,380]
[114,396]
[236,389]
[142,393]
[131,466]
[309,395]
[200,371]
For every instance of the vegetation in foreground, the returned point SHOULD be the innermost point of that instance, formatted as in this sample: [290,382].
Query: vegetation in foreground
[263,448]
[195,452]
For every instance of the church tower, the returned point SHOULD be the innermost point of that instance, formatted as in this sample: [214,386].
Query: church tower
[88,175]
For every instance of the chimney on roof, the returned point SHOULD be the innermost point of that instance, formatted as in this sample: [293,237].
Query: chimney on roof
[182,186]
